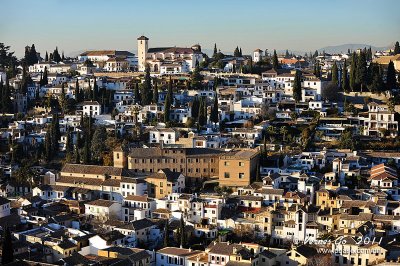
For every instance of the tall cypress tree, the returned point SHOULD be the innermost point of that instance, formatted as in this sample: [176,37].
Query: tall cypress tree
[334,70]
[167,108]
[146,88]
[376,84]
[353,69]
[86,151]
[7,106]
[195,107]
[275,61]
[166,234]
[95,90]
[391,76]
[47,145]
[170,90]
[7,255]
[46,58]
[202,114]
[396,48]
[182,233]
[137,93]
[214,111]
[345,81]
[68,147]
[215,50]
[45,79]
[155,91]
[297,87]
[361,72]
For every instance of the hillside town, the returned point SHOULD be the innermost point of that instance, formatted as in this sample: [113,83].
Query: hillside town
[174,156]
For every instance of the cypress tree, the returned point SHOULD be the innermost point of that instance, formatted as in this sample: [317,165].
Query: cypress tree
[345,82]
[215,50]
[396,48]
[63,99]
[166,234]
[77,92]
[391,76]
[195,107]
[46,58]
[275,61]
[68,147]
[48,146]
[56,55]
[297,87]
[77,155]
[361,72]
[214,111]
[7,106]
[1,92]
[95,90]
[377,84]
[167,107]
[353,67]
[202,115]
[236,53]
[334,70]
[7,255]
[146,88]
[155,91]
[86,151]
[45,79]
[137,93]
[240,52]
[182,232]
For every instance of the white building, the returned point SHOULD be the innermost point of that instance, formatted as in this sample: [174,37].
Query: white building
[257,55]
[103,209]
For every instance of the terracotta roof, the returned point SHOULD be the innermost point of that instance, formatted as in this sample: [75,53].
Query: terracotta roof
[139,198]
[178,251]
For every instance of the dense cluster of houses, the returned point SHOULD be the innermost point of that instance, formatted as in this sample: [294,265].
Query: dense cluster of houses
[236,192]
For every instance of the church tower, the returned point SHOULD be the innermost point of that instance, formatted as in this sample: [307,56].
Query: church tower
[143,46]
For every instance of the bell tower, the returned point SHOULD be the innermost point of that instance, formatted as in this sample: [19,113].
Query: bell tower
[143,46]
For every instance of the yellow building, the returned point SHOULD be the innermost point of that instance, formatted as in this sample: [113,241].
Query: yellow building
[165,182]
[238,168]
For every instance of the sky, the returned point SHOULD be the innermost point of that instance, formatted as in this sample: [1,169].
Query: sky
[296,25]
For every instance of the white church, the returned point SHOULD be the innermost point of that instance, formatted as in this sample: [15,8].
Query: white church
[168,60]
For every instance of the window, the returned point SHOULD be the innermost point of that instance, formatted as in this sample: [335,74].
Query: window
[226,163]
[241,175]
[241,163]
[226,175]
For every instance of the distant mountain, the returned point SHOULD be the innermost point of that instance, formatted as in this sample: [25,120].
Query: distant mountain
[344,47]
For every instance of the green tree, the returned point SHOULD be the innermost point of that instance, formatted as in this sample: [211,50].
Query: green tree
[166,234]
[68,147]
[202,114]
[98,140]
[167,108]
[45,79]
[353,72]
[376,84]
[361,72]
[47,146]
[56,55]
[196,79]
[334,70]
[46,58]
[63,99]
[7,255]
[214,117]
[146,87]
[95,91]
[215,50]
[236,53]
[195,107]
[7,105]
[275,62]
[297,87]
[86,151]
[155,91]
[137,93]
[182,232]
[345,81]
[391,76]
[396,48]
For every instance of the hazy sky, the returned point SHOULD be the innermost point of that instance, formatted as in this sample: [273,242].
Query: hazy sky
[299,25]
